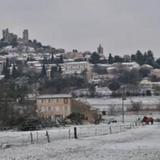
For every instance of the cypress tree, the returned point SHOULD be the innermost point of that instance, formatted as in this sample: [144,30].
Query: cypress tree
[110,59]
[43,72]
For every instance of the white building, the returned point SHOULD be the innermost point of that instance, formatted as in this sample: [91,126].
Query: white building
[145,87]
[103,91]
[36,66]
[127,65]
[75,67]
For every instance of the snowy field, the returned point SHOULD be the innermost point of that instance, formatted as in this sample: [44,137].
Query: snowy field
[142,143]
[22,138]
[132,117]
[95,142]
[106,103]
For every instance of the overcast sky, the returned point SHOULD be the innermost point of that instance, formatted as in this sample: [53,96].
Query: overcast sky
[121,26]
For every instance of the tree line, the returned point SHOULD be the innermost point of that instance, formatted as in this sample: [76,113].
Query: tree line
[139,57]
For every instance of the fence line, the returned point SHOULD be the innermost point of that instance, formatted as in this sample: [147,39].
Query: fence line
[46,136]
[84,131]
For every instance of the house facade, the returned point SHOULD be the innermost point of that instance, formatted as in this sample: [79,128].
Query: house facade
[50,107]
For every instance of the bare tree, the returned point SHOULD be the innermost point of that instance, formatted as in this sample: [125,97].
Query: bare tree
[111,110]
[136,106]
[158,106]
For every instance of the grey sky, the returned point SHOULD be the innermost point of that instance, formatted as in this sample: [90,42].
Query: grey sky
[121,26]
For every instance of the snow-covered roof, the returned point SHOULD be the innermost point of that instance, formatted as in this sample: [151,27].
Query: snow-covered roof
[146,66]
[104,65]
[68,60]
[81,62]
[33,62]
[46,96]
[145,81]
[1,77]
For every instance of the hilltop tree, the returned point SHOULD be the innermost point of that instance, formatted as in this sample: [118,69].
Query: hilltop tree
[118,59]
[158,61]
[110,59]
[95,57]
[133,58]
[149,58]
[139,57]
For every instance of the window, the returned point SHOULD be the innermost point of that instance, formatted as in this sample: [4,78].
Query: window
[57,109]
[67,108]
[49,108]
[43,109]
[65,100]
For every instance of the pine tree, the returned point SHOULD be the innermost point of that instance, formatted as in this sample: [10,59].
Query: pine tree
[43,72]
[150,58]
[56,72]
[133,58]
[14,72]
[95,58]
[52,58]
[139,57]
[61,59]
[6,70]
[110,59]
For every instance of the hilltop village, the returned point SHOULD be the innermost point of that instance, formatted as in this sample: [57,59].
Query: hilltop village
[53,84]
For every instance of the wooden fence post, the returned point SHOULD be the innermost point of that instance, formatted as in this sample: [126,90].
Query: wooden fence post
[37,137]
[95,132]
[75,133]
[135,124]
[48,138]
[31,137]
[69,132]
[110,129]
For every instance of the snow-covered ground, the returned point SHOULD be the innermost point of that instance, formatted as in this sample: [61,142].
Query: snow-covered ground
[21,138]
[142,143]
[132,117]
[106,103]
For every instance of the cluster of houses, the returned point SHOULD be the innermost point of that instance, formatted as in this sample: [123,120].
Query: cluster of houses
[70,66]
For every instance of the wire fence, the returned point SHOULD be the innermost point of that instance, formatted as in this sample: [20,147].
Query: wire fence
[100,130]
[13,138]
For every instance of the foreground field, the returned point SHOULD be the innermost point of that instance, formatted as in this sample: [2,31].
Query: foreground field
[141,143]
